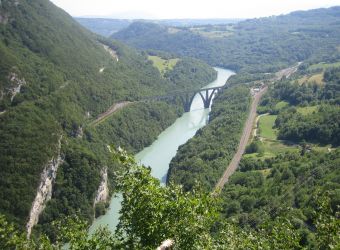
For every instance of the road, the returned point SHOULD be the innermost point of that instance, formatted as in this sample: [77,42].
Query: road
[114,108]
[249,127]
[243,142]
[286,72]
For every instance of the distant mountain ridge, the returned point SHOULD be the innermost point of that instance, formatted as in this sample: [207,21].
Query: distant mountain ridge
[108,26]
[254,45]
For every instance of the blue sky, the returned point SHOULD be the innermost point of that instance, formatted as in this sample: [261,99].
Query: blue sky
[159,9]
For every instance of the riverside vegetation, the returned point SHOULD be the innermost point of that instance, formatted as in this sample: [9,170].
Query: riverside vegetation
[273,184]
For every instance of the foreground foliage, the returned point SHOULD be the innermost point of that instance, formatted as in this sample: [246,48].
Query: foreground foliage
[152,213]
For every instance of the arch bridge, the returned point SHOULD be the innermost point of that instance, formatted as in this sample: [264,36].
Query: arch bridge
[187,96]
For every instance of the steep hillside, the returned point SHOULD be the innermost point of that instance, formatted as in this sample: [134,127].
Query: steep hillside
[255,45]
[55,78]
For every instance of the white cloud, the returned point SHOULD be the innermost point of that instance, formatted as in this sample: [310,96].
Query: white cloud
[188,8]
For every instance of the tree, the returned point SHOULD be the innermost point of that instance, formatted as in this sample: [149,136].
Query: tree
[152,213]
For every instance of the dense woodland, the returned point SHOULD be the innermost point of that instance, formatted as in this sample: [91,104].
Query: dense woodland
[265,188]
[253,197]
[319,127]
[63,89]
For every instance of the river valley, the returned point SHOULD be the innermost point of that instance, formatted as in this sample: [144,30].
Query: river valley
[159,154]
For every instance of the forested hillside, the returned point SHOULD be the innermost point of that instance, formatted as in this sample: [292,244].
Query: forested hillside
[290,166]
[255,45]
[55,78]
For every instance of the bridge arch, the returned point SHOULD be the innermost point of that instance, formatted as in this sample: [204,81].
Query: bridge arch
[187,97]
[205,94]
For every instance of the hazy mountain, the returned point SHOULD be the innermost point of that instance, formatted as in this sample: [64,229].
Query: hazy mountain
[108,26]
[257,45]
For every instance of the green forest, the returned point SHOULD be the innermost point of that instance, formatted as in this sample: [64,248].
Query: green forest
[67,79]
[281,176]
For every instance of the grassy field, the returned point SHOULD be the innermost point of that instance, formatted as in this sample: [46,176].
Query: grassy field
[270,145]
[266,124]
[317,78]
[324,66]
[281,105]
[307,110]
[163,65]
[272,148]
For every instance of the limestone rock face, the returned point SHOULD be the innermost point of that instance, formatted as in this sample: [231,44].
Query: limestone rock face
[103,190]
[44,192]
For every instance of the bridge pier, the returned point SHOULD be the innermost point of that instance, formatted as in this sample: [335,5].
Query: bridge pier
[187,101]
[208,97]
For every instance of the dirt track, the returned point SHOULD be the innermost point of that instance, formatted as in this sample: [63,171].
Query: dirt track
[243,142]
[114,108]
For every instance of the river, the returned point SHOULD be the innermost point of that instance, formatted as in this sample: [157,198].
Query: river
[160,153]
